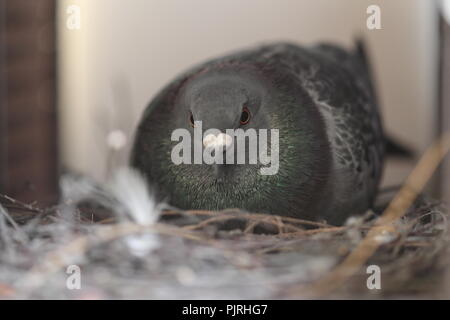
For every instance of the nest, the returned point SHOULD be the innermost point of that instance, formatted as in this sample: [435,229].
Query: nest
[88,248]
[216,255]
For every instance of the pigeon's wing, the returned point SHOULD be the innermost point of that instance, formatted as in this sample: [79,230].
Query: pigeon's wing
[356,62]
[353,107]
[339,83]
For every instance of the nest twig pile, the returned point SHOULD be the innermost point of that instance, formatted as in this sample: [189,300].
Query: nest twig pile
[202,254]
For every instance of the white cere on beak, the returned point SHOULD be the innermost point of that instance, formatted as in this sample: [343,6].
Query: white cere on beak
[222,140]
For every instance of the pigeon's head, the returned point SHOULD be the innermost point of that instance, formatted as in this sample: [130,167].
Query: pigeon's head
[244,99]
[224,100]
[226,106]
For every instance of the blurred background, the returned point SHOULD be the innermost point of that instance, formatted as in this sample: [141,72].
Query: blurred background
[73,71]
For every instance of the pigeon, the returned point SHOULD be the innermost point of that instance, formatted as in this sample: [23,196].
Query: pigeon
[321,101]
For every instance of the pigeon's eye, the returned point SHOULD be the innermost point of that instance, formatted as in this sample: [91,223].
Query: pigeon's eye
[245,116]
[191,119]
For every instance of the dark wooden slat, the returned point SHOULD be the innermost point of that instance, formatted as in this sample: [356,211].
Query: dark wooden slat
[3,100]
[29,101]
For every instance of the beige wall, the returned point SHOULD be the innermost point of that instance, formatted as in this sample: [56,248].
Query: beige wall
[127,50]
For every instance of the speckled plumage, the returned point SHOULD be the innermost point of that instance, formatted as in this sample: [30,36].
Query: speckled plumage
[321,100]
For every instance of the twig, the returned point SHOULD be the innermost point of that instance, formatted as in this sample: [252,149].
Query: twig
[254,220]
[240,214]
[29,207]
[302,233]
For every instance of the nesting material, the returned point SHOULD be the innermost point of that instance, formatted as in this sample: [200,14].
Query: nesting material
[208,255]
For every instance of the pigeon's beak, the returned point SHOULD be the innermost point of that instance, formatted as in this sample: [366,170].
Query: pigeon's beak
[222,141]
[219,143]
